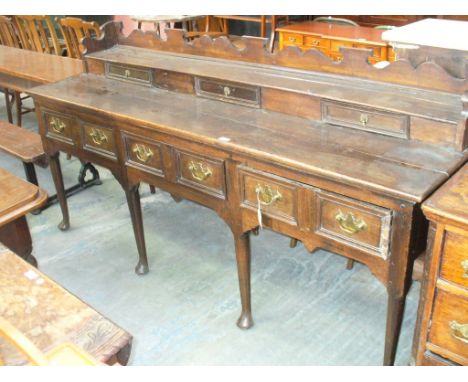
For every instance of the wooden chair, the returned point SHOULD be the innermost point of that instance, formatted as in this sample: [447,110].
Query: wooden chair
[38,33]
[66,354]
[335,20]
[74,30]
[8,37]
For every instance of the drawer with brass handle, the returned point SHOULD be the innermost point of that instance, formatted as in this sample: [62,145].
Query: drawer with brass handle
[60,127]
[99,140]
[449,328]
[317,42]
[361,225]
[228,91]
[143,154]
[129,73]
[357,117]
[454,264]
[292,39]
[273,195]
[204,174]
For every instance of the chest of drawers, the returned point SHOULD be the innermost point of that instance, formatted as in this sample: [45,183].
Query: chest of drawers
[442,331]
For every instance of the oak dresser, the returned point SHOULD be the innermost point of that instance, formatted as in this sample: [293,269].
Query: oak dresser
[288,141]
[442,334]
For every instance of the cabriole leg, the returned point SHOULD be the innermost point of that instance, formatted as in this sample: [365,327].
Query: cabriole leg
[242,244]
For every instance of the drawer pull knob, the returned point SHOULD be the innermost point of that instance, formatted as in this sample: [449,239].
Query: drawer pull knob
[459,331]
[127,73]
[199,170]
[57,125]
[143,153]
[464,265]
[364,119]
[292,39]
[349,223]
[266,195]
[98,137]
[227,91]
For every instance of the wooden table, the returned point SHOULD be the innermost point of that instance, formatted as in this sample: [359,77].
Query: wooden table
[441,336]
[17,198]
[329,38]
[22,69]
[335,161]
[49,315]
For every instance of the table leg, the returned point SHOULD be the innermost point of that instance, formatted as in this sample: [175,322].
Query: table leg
[17,237]
[395,307]
[54,162]
[133,200]
[242,244]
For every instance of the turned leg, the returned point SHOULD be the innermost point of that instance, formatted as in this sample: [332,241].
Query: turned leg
[19,115]
[16,236]
[396,304]
[242,244]
[54,162]
[133,200]
[8,105]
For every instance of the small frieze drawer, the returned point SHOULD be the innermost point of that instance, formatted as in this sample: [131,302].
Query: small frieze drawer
[454,264]
[203,174]
[99,140]
[144,154]
[358,224]
[274,196]
[129,73]
[60,127]
[373,120]
[228,91]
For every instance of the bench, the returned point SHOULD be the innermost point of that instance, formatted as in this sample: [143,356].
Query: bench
[24,145]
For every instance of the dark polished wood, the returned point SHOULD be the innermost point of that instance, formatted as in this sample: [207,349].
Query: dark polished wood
[441,334]
[47,322]
[17,198]
[346,172]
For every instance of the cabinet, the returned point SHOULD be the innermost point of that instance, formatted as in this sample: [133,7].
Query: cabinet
[442,330]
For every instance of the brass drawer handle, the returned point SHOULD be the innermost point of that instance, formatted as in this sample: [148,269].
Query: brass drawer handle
[57,125]
[316,42]
[364,119]
[459,331]
[227,91]
[266,195]
[143,153]
[464,265]
[292,39]
[349,223]
[98,137]
[199,170]
[127,73]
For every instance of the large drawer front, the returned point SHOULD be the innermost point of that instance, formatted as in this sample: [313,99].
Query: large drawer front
[60,127]
[143,154]
[355,223]
[228,91]
[449,329]
[275,196]
[99,140]
[454,266]
[129,73]
[381,122]
[203,174]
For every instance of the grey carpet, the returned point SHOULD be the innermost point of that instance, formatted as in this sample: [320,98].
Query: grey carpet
[308,309]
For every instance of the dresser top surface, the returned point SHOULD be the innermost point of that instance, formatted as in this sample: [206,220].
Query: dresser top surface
[336,31]
[451,200]
[405,169]
[40,67]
